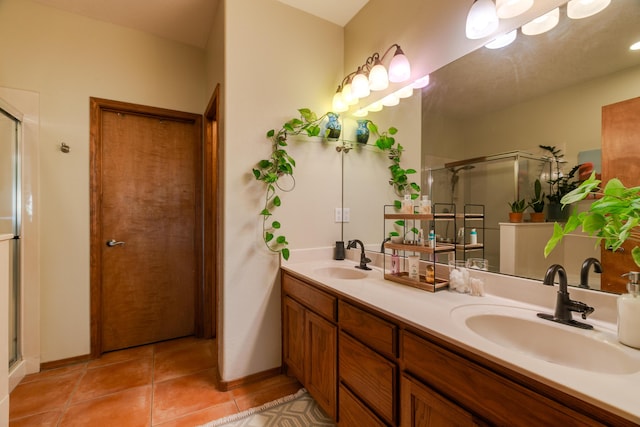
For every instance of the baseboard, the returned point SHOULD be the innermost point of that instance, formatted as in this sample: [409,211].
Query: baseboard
[230,385]
[65,362]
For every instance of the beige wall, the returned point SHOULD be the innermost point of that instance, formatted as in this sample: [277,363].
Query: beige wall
[278,59]
[67,59]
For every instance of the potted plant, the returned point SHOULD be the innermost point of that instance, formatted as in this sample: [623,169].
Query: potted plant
[561,184]
[517,210]
[612,217]
[537,203]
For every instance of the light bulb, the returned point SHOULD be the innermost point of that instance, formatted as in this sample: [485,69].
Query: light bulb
[378,77]
[399,68]
[347,94]
[578,9]
[360,85]
[482,19]
[338,104]
[542,23]
[511,8]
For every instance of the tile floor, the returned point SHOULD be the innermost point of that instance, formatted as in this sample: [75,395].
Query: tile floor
[166,384]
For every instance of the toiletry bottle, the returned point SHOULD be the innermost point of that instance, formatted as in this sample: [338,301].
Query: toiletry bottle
[629,312]
[425,205]
[420,238]
[407,204]
[473,237]
[432,239]
[395,262]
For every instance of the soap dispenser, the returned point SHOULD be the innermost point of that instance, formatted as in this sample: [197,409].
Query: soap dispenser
[629,312]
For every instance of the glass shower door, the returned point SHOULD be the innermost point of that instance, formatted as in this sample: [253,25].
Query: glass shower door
[10,219]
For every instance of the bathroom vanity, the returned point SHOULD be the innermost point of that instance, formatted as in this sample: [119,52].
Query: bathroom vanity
[376,353]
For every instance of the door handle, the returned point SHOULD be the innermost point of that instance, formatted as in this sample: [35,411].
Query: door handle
[112,242]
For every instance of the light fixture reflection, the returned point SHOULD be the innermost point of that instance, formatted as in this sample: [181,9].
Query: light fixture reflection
[421,82]
[482,19]
[502,41]
[405,92]
[578,9]
[635,46]
[390,100]
[360,113]
[542,23]
[511,8]
[375,107]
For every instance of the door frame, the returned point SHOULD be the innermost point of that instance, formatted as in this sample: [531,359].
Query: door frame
[97,106]
[212,219]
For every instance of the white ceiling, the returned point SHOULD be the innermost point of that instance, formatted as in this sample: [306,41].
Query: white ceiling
[188,21]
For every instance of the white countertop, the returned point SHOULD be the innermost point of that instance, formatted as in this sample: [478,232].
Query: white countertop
[432,313]
[6,237]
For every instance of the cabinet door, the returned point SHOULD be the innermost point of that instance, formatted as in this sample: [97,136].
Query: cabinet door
[423,407]
[321,376]
[293,321]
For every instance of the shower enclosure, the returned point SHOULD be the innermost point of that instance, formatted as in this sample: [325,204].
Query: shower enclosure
[492,181]
[10,132]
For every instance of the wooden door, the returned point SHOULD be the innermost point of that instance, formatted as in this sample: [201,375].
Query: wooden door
[320,376]
[147,233]
[620,159]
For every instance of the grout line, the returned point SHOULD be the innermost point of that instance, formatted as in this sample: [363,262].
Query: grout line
[73,392]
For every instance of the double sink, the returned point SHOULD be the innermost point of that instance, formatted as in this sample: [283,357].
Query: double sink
[519,329]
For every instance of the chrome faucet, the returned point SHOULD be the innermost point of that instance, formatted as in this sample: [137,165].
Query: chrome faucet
[584,271]
[363,258]
[564,304]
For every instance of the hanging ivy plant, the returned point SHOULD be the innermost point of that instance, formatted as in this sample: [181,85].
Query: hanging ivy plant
[280,165]
[399,176]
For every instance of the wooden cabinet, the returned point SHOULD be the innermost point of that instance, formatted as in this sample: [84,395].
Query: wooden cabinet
[309,340]
[370,376]
[480,391]
[368,368]
[423,407]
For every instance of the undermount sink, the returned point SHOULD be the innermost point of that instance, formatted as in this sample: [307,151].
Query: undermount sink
[521,330]
[341,273]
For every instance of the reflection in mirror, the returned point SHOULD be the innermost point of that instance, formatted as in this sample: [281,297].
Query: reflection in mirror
[547,89]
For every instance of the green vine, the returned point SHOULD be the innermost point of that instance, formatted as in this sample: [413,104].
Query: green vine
[612,217]
[399,176]
[280,164]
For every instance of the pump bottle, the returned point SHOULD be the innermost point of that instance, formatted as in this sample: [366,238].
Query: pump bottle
[629,312]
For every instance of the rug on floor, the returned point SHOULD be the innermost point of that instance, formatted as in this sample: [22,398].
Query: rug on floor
[296,410]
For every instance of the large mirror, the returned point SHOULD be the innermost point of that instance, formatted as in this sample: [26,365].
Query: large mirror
[485,115]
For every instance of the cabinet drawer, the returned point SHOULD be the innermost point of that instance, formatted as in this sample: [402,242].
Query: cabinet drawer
[353,413]
[368,328]
[482,391]
[370,376]
[315,299]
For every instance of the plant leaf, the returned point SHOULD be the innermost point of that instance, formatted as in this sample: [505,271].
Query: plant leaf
[265,212]
[635,253]
[271,133]
[281,240]
[277,201]
[275,224]
[268,236]
[285,253]
[554,240]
